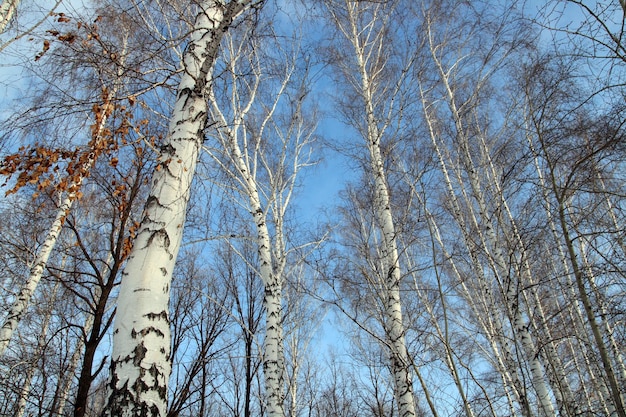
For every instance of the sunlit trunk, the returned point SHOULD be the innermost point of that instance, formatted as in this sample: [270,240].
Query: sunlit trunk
[140,363]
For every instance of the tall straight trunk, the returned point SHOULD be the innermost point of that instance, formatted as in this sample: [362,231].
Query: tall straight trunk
[393,325]
[573,308]
[489,241]
[603,313]
[616,394]
[564,396]
[580,278]
[273,351]
[20,305]
[393,322]
[140,362]
[95,325]
[66,384]
[242,156]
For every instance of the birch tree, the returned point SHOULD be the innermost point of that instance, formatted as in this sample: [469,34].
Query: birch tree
[7,11]
[262,143]
[566,157]
[40,163]
[366,28]
[140,363]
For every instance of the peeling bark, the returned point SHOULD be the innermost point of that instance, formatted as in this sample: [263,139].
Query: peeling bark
[140,363]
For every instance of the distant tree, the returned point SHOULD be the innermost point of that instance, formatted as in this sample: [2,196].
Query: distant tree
[376,78]
[262,142]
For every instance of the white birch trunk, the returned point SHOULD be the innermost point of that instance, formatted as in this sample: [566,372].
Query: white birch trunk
[368,52]
[241,156]
[140,363]
[394,327]
[562,209]
[490,245]
[603,313]
[273,351]
[512,298]
[563,394]
[20,305]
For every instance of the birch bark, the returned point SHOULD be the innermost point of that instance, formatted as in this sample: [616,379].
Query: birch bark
[573,309]
[488,318]
[368,44]
[261,147]
[488,238]
[561,192]
[564,396]
[140,363]
[245,172]
[98,144]
[20,305]
[269,271]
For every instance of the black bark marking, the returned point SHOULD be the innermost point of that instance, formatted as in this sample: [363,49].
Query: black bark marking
[152,202]
[185,92]
[140,354]
[162,234]
[153,316]
[167,149]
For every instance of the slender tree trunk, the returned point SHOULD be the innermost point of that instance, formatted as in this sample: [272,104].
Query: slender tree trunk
[20,305]
[573,308]
[616,394]
[265,202]
[603,313]
[491,247]
[564,396]
[41,345]
[580,279]
[394,327]
[393,321]
[64,389]
[140,363]
[248,381]
[491,323]
[94,327]
[273,351]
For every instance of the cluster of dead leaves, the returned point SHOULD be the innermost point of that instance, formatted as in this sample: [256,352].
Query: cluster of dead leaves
[63,170]
[90,33]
